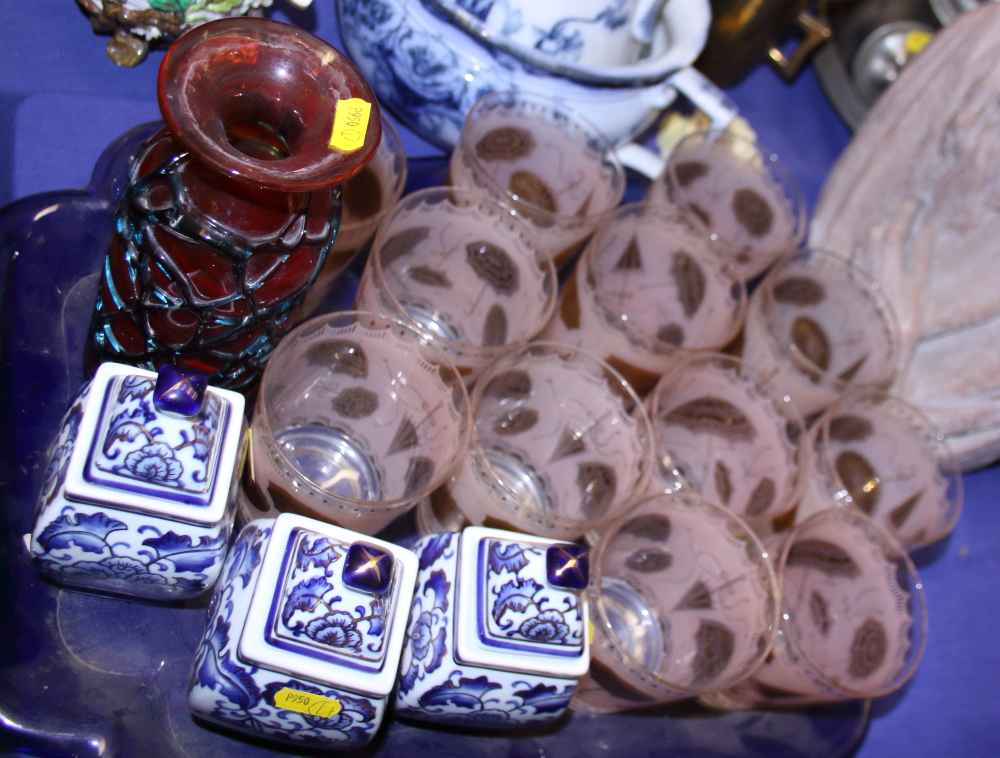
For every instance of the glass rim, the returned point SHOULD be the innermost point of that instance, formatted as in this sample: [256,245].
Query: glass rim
[476,448]
[388,131]
[684,216]
[917,592]
[311,168]
[610,153]
[597,595]
[769,159]
[261,416]
[542,259]
[765,304]
[947,463]
[803,453]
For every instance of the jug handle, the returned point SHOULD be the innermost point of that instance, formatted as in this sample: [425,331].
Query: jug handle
[715,103]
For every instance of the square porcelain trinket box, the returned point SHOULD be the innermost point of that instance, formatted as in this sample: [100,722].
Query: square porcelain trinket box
[499,630]
[139,496]
[304,634]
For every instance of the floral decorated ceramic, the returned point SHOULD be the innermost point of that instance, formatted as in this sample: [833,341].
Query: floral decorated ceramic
[139,495]
[498,633]
[430,61]
[600,32]
[304,634]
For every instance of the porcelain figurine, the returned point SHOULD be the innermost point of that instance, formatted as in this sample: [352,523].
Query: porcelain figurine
[429,61]
[304,634]
[135,25]
[499,630]
[140,493]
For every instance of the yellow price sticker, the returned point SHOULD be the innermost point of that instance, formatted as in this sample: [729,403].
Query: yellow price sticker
[307,702]
[916,41]
[350,124]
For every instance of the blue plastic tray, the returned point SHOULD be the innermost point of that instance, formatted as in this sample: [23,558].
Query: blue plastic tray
[82,675]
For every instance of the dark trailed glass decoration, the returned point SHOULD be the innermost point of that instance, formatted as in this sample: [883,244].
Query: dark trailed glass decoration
[232,209]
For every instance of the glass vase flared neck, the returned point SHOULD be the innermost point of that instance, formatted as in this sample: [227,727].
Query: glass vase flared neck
[256,99]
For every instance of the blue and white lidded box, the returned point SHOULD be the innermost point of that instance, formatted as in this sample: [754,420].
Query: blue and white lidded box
[304,633]
[499,631]
[140,493]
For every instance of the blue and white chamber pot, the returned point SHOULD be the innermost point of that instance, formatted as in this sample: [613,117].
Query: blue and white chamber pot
[140,493]
[499,630]
[304,634]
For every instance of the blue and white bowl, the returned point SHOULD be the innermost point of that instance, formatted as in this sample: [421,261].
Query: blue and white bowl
[139,498]
[304,634]
[499,630]
[430,60]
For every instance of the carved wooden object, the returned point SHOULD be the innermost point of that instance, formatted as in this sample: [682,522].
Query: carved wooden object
[915,200]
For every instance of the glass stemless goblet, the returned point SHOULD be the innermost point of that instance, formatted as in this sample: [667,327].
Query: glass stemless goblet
[464,268]
[544,160]
[853,617]
[879,454]
[561,445]
[818,325]
[742,192]
[683,601]
[723,430]
[357,419]
[649,287]
[368,196]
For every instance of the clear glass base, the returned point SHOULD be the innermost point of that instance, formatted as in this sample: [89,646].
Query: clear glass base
[519,479]
[634,622]
[431,323]
[329,459]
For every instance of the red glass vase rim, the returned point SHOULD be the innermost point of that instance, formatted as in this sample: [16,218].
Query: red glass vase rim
[312,164]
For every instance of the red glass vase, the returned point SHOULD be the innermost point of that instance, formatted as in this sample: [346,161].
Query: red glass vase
[232,209]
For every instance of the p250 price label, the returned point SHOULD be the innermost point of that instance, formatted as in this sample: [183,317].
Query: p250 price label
[307,702]
[350,125]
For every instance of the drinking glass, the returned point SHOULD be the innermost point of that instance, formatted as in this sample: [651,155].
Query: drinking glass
[853,617]
[464,268]
[367,197]
[358,418]
[743,193]
[649,287]
[724,431]
[544,160]
[818,325]
[561,445]
[881,455]
[683,601]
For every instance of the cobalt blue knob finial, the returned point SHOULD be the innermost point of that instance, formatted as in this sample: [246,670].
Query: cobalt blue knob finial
[367,569]
[179,391]
[568,566]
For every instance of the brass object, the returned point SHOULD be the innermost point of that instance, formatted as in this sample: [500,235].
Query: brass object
[816,31]
[744,32]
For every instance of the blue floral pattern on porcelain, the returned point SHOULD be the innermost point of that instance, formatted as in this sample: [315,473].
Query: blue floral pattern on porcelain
[151,558]
[55,474]
[427,636]
[429,72]
[434,685]
[117,533]
[516,603]
[315,613]
[147,452]
[415,71]
[561,30]
[226,691]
